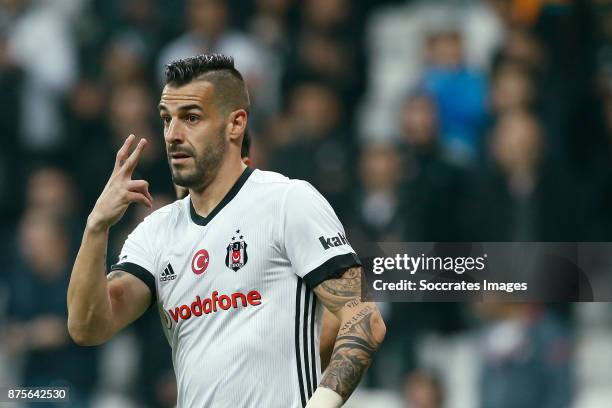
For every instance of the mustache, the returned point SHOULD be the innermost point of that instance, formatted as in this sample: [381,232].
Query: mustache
[174,150]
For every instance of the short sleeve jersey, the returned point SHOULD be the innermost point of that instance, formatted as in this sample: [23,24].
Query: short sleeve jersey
[235,289]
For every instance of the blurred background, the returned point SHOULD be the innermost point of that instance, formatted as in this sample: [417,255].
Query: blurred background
[481,120]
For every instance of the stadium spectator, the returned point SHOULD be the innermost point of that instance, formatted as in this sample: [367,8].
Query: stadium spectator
[125,60]
[36,312]
[270,24]
[430,179]
[40,31]
[50,189]
[459,92]
[141,21]
[316,148]
[327,49]
[423,390]
[209,30]
[512,88]
[519,194]
[86,113]
[376,213]
[526,354]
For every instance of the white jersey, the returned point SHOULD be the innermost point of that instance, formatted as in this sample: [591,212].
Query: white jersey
[234,289]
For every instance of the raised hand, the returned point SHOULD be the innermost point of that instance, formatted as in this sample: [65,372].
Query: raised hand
[121,190]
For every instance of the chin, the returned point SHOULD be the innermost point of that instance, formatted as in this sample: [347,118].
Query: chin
[181,180]
[190,181]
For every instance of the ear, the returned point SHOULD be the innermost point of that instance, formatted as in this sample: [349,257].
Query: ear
[237,124]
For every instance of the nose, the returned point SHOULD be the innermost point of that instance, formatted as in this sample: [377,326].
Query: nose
[174,132]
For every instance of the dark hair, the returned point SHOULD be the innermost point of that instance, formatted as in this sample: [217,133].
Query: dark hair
[246,144]
[219,70]
[182,71]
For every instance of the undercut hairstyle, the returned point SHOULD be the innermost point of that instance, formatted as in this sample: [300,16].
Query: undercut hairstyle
[230,91]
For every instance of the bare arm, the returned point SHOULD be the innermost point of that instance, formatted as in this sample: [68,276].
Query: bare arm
[329,332]
[361,332]
[99,307]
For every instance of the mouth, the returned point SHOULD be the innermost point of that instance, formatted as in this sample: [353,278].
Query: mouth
[179,157]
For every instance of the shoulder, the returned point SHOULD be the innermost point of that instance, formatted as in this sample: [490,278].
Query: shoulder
[166,215]
[280,184]
[268,177]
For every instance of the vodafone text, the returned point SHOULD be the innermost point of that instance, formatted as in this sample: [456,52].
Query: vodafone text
[210,304]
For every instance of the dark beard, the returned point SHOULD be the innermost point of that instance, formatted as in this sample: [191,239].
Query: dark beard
[206,166]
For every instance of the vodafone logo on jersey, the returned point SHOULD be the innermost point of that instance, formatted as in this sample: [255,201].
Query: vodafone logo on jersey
[213,304]
[200,262]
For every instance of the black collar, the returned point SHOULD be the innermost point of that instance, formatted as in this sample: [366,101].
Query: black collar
[198,219]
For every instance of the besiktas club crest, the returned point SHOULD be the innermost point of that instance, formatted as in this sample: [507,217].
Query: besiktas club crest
[236,256]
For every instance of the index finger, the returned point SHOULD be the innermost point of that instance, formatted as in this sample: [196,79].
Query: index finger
[122,154]
[132,161]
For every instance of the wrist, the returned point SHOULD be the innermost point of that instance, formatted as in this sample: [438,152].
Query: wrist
[94,224]
[325,398]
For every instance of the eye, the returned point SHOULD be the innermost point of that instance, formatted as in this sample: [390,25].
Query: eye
[191,118]
[166,120]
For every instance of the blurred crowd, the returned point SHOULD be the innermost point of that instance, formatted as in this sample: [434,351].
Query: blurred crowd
[446,120]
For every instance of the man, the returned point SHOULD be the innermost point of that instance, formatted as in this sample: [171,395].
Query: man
[232,267]
[34,330]
[536,356]
[329,323]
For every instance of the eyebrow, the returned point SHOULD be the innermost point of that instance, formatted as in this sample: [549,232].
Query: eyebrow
[180,108]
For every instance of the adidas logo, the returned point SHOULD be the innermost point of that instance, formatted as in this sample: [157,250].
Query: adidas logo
[168,274]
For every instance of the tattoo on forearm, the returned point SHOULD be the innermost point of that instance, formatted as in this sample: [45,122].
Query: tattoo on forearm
[353,353]
[357,341]
[361,314]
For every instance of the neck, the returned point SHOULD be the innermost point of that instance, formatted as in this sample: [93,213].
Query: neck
[205,200]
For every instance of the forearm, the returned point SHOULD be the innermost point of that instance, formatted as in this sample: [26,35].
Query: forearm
[329,333]
[362,330]
[91,301]
[89,305]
